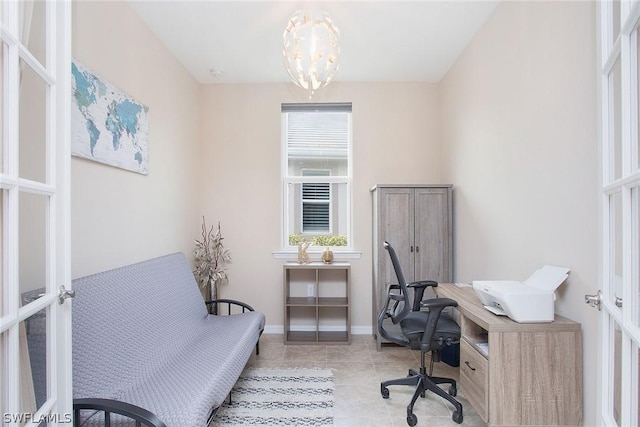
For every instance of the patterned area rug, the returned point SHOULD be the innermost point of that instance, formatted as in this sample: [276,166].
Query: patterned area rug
[279,397]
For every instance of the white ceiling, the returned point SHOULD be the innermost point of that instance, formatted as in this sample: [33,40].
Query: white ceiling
[379,40]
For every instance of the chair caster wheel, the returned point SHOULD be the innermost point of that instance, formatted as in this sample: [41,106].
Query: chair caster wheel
[412,420]
[453,391]
[385,392]
[457,417]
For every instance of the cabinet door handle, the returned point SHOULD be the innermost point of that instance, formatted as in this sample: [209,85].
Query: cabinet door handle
[466,362]
[411,249]
[417,248]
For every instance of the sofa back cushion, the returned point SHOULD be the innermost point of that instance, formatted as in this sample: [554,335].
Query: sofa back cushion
[130,320]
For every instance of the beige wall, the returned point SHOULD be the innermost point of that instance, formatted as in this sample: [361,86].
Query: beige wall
[395,140]
[519,137]
[119,217]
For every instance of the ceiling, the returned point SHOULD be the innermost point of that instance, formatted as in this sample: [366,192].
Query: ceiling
[379,40]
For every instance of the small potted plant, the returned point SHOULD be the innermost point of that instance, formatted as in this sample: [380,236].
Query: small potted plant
[210,262]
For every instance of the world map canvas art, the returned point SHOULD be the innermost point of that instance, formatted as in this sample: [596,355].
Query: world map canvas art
[107,125]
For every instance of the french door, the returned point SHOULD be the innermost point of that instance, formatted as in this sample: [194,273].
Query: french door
[620,300]
[35,329]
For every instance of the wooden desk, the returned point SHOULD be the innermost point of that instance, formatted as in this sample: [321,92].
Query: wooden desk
[518,373]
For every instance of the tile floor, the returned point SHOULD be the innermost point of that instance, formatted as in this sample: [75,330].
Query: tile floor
[358,369]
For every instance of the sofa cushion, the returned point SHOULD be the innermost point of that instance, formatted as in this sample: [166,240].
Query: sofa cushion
[185,390]
[142,335]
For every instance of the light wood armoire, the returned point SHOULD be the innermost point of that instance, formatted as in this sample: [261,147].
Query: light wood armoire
[417,221]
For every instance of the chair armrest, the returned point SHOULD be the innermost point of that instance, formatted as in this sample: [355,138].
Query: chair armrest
[447,335]
[423,284]
[109,406]
[393,296]
[438,303]
[418,291]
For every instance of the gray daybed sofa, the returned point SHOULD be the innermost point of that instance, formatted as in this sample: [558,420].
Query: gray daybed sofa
[144,344]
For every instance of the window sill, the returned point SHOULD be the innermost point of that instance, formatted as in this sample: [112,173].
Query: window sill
[316,255]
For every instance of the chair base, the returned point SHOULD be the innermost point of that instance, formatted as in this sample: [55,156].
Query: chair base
[423,382]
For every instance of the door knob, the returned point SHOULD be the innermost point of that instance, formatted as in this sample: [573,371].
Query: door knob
[64,293]
[594,300]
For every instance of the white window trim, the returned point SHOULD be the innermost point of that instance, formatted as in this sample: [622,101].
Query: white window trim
[289,252]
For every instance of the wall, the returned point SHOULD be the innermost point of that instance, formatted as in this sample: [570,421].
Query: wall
[119,217]
[519,137]
[395,140]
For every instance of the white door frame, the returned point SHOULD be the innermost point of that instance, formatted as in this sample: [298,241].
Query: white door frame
[53,71]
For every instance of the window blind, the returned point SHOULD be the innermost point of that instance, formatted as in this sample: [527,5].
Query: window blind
[317,130]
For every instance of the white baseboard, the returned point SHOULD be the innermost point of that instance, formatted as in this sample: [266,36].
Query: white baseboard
[355,330]
[274,329]
[361,330]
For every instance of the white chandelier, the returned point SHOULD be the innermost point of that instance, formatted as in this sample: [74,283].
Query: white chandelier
[310,48]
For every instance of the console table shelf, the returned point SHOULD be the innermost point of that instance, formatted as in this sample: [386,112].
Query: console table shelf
[310,301]
[518,373]
[316,303]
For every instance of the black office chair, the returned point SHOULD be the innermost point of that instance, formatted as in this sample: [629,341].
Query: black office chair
[423,327]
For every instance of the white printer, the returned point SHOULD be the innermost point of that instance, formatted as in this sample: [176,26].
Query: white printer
[530,301]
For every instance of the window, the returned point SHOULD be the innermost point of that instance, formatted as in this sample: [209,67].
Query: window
[316,204]
[317,174]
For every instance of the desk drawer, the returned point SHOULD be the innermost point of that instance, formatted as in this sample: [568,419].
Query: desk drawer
[474,378]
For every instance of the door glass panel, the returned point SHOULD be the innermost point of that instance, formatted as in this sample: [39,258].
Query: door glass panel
[615,120]
[617,371]
[615,27]
[33,121]
[638,386]
[32,27]
[1,112]
[638,97]
[3,373]
[615,282]
[1,253]
[635,215]
[33,362]
[32,240]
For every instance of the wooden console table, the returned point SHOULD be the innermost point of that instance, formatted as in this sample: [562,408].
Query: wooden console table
[518,373]
[316,303]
